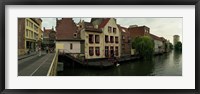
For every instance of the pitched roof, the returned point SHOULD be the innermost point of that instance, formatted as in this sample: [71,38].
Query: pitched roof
[65,29]
[104,22]
[122,29]
[156,37]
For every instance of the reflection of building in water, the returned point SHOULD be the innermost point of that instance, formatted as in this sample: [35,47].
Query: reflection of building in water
[176,39]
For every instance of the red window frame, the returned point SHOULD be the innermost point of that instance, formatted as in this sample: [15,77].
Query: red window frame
[91,51]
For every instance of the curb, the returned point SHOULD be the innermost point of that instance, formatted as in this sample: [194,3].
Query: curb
[26,56]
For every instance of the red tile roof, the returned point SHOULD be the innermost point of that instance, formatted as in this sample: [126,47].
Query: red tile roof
[104,22]
[65,29]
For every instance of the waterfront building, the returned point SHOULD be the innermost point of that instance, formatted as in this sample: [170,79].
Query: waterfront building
[176,39]
[158,44]
[28,34]
[137,31]
[68,37]
[49,38]
[102,38]
[125,41]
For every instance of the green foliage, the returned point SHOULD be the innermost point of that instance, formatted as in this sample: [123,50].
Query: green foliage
[178,46]
[171,46]
[144,45]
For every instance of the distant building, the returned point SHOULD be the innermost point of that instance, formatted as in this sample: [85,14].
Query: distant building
[159,46]
[29,30]
[49,38]
[125,41]
[68,37]
[176,39]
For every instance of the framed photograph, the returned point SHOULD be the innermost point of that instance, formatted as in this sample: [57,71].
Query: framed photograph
[120,47]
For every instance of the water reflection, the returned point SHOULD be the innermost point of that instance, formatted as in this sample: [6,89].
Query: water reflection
[169,64]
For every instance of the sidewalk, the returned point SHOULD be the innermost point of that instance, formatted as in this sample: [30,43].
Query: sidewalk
[27,55]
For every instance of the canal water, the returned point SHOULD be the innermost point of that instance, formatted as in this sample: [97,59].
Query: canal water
[168,64]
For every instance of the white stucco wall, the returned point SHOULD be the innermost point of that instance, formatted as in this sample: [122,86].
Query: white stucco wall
[66,46]
[157,44]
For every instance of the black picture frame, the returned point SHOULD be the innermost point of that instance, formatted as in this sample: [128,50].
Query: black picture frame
[3,3]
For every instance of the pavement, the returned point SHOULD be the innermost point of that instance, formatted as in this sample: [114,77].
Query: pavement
[26,55]
[35,65]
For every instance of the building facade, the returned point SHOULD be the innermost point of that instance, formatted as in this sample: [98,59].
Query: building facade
[49,38]
[68,37]
[93,40]
[137,31]
[125,41]
[159,46]
[102,38]
[28,34]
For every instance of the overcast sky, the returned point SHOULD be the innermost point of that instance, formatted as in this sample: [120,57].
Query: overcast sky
[162,27]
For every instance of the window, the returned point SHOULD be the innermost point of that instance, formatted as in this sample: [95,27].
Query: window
[106,51]
[32,34]
[111,39]
[116,51]
[27,22]
[31,25]
[106,39]
[112,51]
[26,32]
[75,35]
[35,27]
[91,51]
[97,51]
[116,40]
[109,29]
[35,36]
[90,38]
[97,39]
[71,46]
[114,30]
